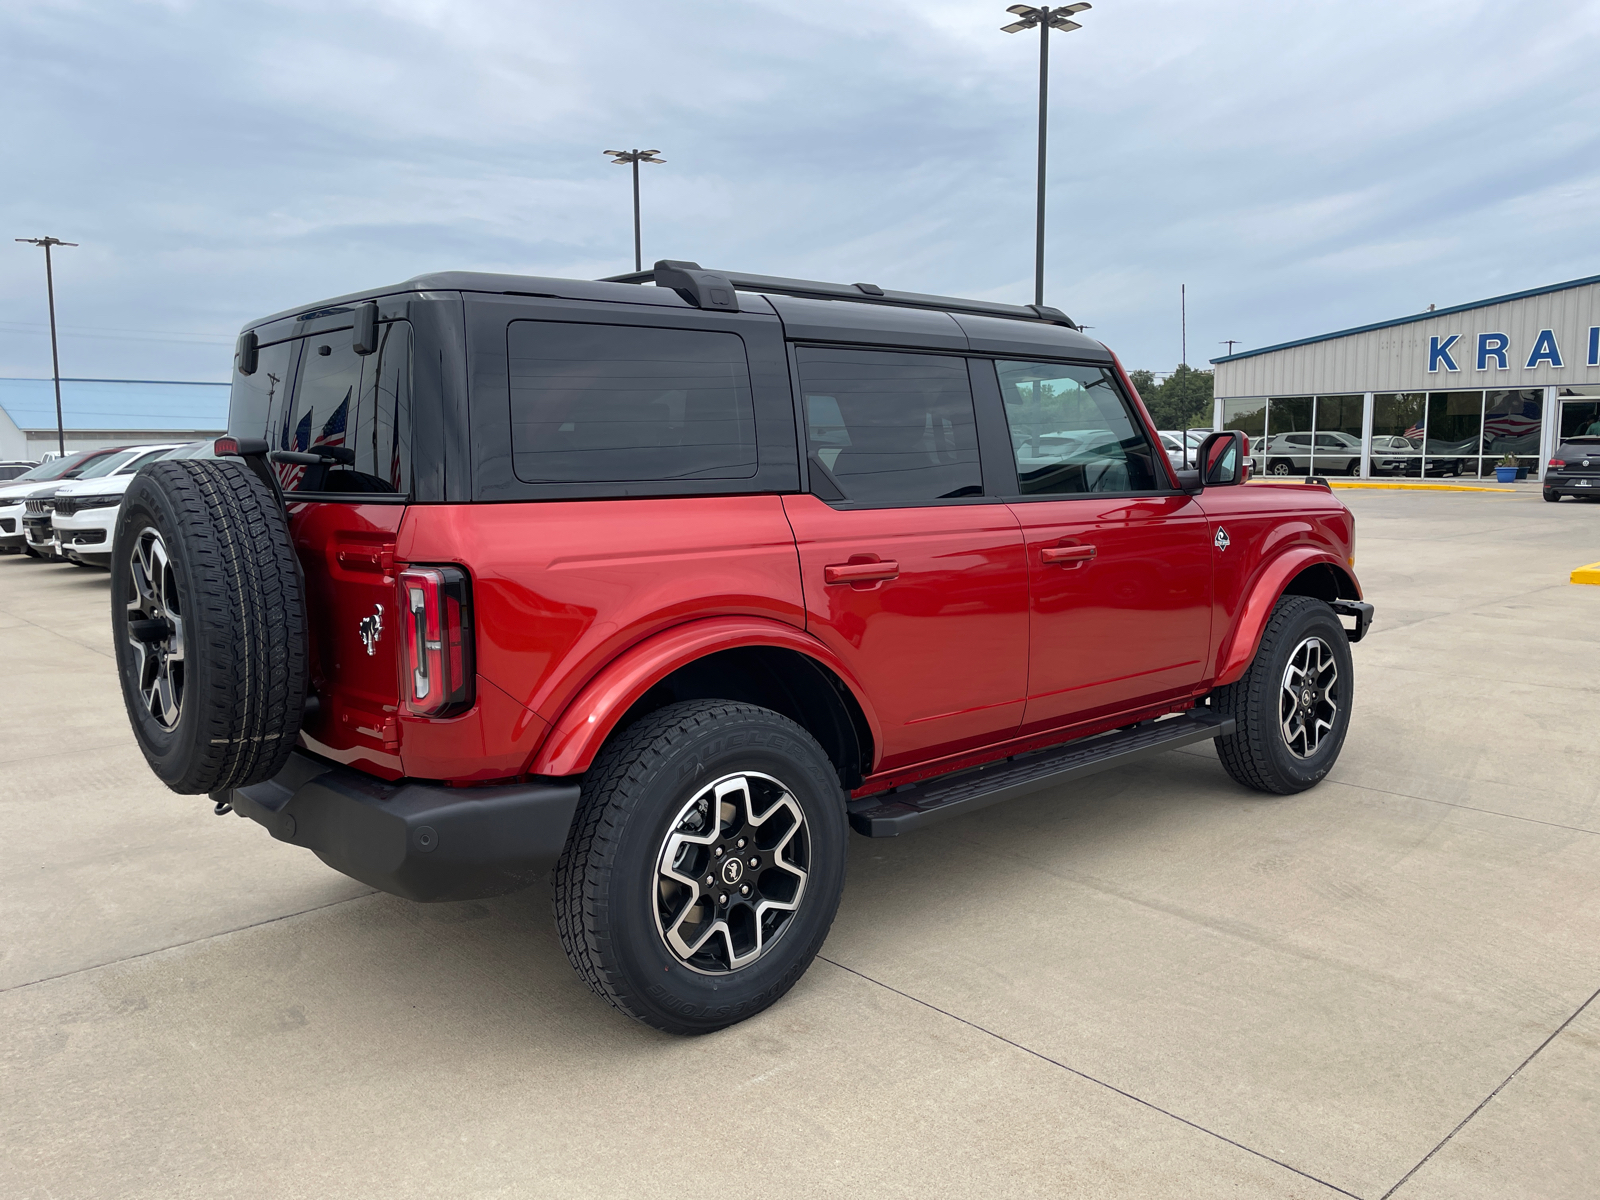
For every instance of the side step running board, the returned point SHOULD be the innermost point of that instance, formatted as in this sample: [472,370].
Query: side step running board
[890,814]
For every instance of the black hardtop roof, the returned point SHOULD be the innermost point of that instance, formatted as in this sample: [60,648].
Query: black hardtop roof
[1040,327]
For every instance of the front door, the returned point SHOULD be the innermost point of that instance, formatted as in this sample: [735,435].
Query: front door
[1119,564]
[911,574]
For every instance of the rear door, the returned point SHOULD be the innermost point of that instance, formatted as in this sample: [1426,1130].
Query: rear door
[1119,564]
[344,520]
[911,573]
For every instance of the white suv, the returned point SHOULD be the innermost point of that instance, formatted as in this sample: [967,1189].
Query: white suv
[83,511]
[1292,454]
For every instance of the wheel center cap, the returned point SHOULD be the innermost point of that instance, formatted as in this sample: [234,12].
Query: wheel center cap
[1305,697]
[732,871]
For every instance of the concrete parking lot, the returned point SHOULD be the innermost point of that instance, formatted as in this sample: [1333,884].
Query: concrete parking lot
[1152,984]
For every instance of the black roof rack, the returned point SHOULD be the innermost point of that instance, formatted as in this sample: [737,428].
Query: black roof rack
[705,287]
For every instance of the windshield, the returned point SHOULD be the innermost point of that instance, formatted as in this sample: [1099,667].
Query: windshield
[202,449]
[142,456]
[54,469]
[107,464]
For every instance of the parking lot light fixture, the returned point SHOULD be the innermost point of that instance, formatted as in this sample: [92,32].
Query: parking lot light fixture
[635,157]
[55,356]
[1044,19]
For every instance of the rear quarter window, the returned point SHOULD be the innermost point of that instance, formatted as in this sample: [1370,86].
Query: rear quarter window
[621,404]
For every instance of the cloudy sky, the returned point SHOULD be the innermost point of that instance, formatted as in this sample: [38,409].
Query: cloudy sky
[1301,165]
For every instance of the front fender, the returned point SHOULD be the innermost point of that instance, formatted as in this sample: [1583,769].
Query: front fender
[584,725]
[1264,593]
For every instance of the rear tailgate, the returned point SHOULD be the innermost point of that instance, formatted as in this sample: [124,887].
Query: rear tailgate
[347,553]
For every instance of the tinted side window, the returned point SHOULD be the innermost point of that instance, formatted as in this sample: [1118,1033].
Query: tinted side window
[1073,432]
[382,429]
[890,428]
[617,404]
[256,398]
[361,403]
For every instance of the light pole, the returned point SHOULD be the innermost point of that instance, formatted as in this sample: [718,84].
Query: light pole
[1046,19]
[621,158]
[55,357]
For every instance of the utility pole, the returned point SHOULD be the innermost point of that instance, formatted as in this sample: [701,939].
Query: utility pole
[1046,19]
[1183,318]
[622,158]
[1230,343]
[55,355]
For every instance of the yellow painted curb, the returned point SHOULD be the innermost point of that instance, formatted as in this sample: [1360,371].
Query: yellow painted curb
[1589,574]
[1417,487]
[1403,487]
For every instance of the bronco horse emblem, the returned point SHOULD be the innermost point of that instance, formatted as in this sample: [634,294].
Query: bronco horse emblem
[371,629]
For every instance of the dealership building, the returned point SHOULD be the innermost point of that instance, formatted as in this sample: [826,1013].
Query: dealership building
[1442,392]
[106,412]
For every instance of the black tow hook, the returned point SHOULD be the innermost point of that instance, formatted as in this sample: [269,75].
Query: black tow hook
[223,808]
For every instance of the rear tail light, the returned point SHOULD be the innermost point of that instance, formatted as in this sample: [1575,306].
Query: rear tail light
[225,447]
[1558,462]
[436,612]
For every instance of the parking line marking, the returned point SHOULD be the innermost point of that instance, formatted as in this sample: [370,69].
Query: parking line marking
[1589,574]
[1000,1037]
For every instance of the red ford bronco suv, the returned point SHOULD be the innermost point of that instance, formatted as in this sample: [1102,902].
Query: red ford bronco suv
[666,588]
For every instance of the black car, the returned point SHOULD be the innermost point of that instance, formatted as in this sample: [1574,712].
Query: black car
[1574,469]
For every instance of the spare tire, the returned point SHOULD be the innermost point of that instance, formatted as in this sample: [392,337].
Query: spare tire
[208,621]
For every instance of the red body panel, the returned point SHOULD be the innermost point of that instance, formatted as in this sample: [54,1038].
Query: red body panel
[347,553]
[589,719]
[942,647]
[1274,532]
[560,589]
[1130,625]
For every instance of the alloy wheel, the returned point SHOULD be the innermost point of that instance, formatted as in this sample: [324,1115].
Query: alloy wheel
[1308,703]
[155,629]
[731,873]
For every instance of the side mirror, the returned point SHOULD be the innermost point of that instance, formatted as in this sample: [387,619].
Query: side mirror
[249,352]
[1224,458]
[364,337]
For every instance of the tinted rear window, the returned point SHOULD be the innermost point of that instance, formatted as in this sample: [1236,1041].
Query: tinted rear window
[618,404]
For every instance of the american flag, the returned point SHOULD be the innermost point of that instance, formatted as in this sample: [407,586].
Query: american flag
[333,431]
[1511,425]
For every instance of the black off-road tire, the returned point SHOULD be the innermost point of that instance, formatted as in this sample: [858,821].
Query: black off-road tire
[1257,753]
[606,881]
[239,598]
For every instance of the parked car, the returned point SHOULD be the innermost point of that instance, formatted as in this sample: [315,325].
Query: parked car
[82,512]
[1574,469]
[1332,452]
[1182,444]
[668,587]
[39,480]
[13,468]
[1391,453]
[38,520]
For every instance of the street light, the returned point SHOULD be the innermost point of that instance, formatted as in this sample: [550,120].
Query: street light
[1044,19]
[622,158]
[55,357]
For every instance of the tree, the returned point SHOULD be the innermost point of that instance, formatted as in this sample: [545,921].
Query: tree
[1181,401]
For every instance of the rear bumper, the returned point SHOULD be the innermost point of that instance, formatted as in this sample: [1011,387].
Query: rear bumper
[1573,485]
[420,841]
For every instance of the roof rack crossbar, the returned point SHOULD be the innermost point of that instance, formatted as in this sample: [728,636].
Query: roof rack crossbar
[861,293]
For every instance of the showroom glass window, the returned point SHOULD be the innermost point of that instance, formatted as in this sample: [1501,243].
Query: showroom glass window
[623,403]
[1073,431]
[889,428]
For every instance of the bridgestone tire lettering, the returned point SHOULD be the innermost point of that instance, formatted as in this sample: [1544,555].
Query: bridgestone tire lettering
[244,625]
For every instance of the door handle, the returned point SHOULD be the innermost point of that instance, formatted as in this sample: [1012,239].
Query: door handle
[860,572]
[1056,555]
